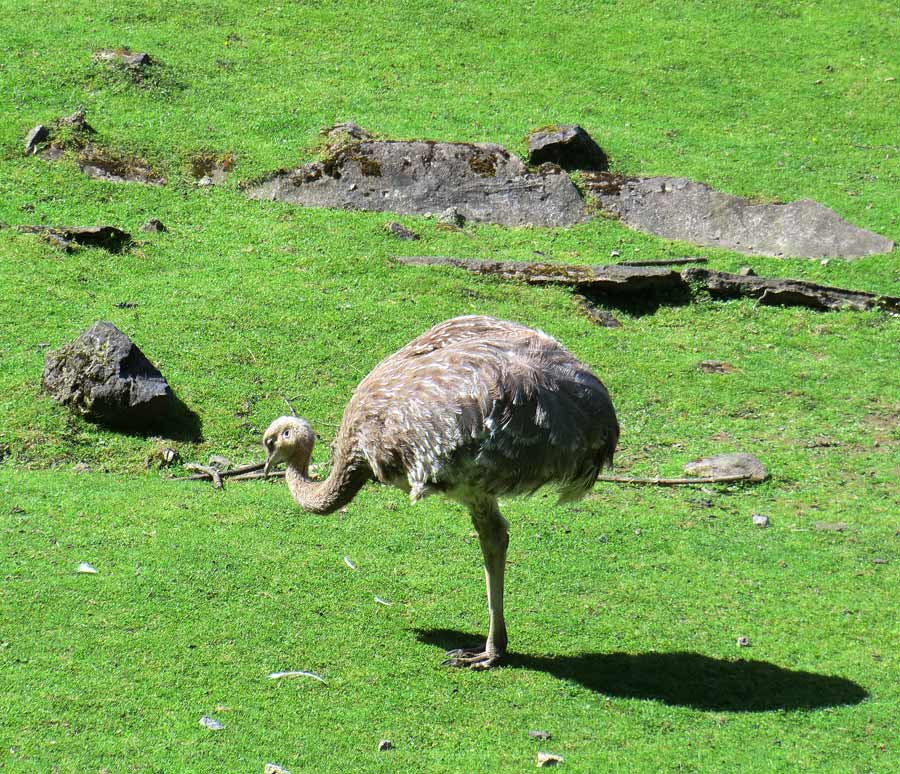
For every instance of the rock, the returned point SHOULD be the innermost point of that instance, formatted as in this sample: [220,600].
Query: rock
[211,723]
[567,145]
[219,462]
[613,280]
[77,122]
[548,759]
[400,231]
[344,133]
[154,226]
[211,169]
[746,271]
[677,208]
[34,138]
[123,56]
[484,182]
[110,238]
[102,164]
[759,520]
[596,314]
[788,292]
[544,736]
[85,568]
[728,465]
[384,745]
[715,367]
[103,376]
[830,526]
[81,467]
[274,768]
[743,642]
[452,217]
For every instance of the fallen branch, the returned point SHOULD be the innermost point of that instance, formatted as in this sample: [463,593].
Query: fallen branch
[619,278]
[675,481]
[789,292]
[643,279]
[664,261]
[206,471]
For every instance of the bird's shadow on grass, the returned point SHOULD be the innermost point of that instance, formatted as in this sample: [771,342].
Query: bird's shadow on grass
[681,679]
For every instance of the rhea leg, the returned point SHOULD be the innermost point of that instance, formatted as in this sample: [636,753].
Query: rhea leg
[493,533]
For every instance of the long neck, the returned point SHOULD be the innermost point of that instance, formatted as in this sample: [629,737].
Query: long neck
[326,496]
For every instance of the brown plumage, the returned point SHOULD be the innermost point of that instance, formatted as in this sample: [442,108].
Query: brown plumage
[476,409]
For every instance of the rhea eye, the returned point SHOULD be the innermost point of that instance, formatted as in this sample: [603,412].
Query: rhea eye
[286,434]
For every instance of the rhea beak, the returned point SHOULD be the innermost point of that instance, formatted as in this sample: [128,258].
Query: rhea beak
[269,460]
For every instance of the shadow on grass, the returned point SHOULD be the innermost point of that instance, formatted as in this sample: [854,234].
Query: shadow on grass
[681,679]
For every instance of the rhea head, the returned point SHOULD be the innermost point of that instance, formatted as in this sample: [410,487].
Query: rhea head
[289,439]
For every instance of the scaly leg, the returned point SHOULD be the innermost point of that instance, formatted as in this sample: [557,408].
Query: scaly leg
[493,533]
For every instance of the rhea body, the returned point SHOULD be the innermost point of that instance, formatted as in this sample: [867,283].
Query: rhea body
[474,409]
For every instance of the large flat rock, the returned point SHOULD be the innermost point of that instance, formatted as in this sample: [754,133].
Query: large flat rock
[677,208]
[483,182]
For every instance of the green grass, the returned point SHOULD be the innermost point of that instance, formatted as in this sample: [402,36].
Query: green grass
[623,641]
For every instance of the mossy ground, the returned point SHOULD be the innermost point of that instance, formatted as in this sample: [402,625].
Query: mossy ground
[624,609]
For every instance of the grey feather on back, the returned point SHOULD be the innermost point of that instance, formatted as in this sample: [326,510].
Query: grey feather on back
[481,404]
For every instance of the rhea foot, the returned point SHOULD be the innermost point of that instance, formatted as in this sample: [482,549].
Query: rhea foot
[472,658]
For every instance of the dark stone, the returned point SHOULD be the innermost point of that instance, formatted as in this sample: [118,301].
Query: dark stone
[484,182]
[34,138]
[544,736]
[569,146]
[154,225]
[103,376]
[107,237]
[677,208]
[400,231]
[728,465]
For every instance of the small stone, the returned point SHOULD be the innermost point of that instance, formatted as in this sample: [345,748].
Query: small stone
[743,642]
[211,723]
[614,254]
[548,759]
[400,231]
[219,462]
[384,745]
[542,735]
[82,467]
[879,561]
[84,567]
[760,520]
[746,271]
[824,262]
[154,225]
[728,465]
[34,138]
[830,526]
[205,181]
[274,768]
[452,217]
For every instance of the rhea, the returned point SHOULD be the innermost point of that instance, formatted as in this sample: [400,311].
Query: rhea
[474,409]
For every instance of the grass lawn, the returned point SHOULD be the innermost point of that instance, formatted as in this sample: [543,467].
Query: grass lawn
[624,609]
